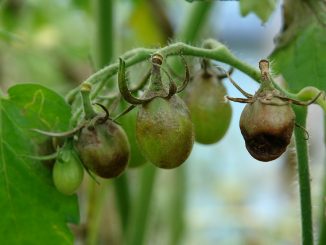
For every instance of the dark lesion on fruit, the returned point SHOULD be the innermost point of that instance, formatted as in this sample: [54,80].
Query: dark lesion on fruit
[266,146]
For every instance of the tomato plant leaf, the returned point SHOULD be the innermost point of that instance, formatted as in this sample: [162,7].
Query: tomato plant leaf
[263,8]
[33,211]
[303,62]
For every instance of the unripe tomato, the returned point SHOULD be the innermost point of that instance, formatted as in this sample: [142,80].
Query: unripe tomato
[164,131]
[104,148]
[209,112]
[68,171]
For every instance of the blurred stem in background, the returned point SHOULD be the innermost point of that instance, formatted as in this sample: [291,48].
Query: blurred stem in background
[304,176]
[137,221]
[322,224]
[142,207]
[104,51]
[96,198]
[191,27]
[195,19]
[104,36]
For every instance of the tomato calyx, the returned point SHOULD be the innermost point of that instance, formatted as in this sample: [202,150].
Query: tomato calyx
[156,88]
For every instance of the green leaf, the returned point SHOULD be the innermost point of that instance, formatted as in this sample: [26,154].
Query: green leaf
[43,108]
[303,62]
[262,8]
[33,211]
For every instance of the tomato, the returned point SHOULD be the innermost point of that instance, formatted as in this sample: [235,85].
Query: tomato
[68,171]
[164,131]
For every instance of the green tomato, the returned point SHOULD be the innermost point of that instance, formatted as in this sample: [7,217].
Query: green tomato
[68,171]
[164,131]
[210,113]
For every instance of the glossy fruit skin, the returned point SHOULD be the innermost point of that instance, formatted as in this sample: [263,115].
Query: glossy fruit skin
[68,171]
[104,149]
[267,129]
[210,113]
[164,131]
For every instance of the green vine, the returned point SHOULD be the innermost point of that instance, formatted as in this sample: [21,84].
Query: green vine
[216,51]
[304,176]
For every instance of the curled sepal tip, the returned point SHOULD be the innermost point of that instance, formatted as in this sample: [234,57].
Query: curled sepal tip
[59,134]
[235,84]
[123,87]
[312,94]
[187,76]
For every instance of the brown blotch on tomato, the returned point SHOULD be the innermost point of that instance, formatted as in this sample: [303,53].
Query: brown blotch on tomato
[104,149]
[164,131]
[267,128]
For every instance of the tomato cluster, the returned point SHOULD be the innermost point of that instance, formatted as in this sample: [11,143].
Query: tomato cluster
[165,127]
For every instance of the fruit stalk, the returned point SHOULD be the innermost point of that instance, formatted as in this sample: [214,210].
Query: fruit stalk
[156,81]
[104,40]
[87,105]
[304,176]
[219,52]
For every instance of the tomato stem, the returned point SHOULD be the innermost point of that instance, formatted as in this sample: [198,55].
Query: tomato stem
[88,108]
[219,52]
[304,176]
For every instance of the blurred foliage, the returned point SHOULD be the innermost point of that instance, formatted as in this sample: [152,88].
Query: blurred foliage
[263,8]
[300,55]
[41,46]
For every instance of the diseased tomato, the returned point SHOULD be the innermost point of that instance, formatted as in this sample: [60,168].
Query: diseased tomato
[104,148]
[267,128]
[164,131]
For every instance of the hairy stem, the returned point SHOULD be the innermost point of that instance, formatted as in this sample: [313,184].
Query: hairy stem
[87,105]
[218,52]
[304,176]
